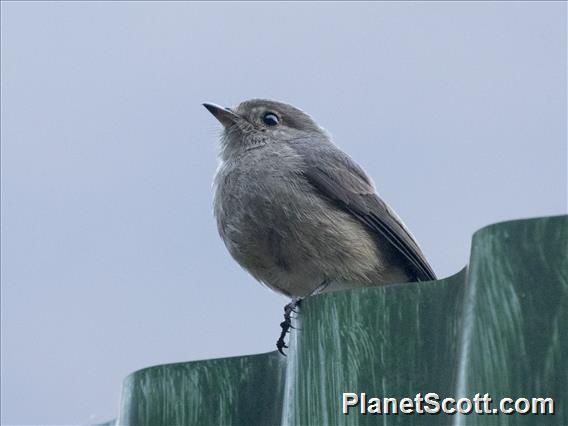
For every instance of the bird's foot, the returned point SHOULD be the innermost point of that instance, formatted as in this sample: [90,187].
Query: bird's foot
[287,323]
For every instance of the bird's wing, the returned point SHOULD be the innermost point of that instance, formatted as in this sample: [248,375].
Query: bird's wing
[335,175]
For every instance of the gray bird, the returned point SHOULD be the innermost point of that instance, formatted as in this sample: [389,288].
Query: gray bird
[298,213]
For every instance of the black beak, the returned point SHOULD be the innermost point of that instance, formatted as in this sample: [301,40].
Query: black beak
[225,116]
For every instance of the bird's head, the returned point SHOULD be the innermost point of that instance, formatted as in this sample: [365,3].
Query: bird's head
[258,122]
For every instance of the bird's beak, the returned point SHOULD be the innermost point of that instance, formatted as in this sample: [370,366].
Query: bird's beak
[225,116]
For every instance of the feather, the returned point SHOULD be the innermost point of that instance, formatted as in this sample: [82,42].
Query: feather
[336,176]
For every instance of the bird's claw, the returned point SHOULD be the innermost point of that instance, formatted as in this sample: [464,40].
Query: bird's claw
[286,325]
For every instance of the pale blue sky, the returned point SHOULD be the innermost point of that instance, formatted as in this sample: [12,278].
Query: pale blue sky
[111,261]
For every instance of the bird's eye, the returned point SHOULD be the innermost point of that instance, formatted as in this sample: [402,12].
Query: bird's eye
[270,119]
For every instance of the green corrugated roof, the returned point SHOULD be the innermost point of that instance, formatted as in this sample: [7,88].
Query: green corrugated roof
[500,326]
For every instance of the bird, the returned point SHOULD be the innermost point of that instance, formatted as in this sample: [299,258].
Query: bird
[298,213]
